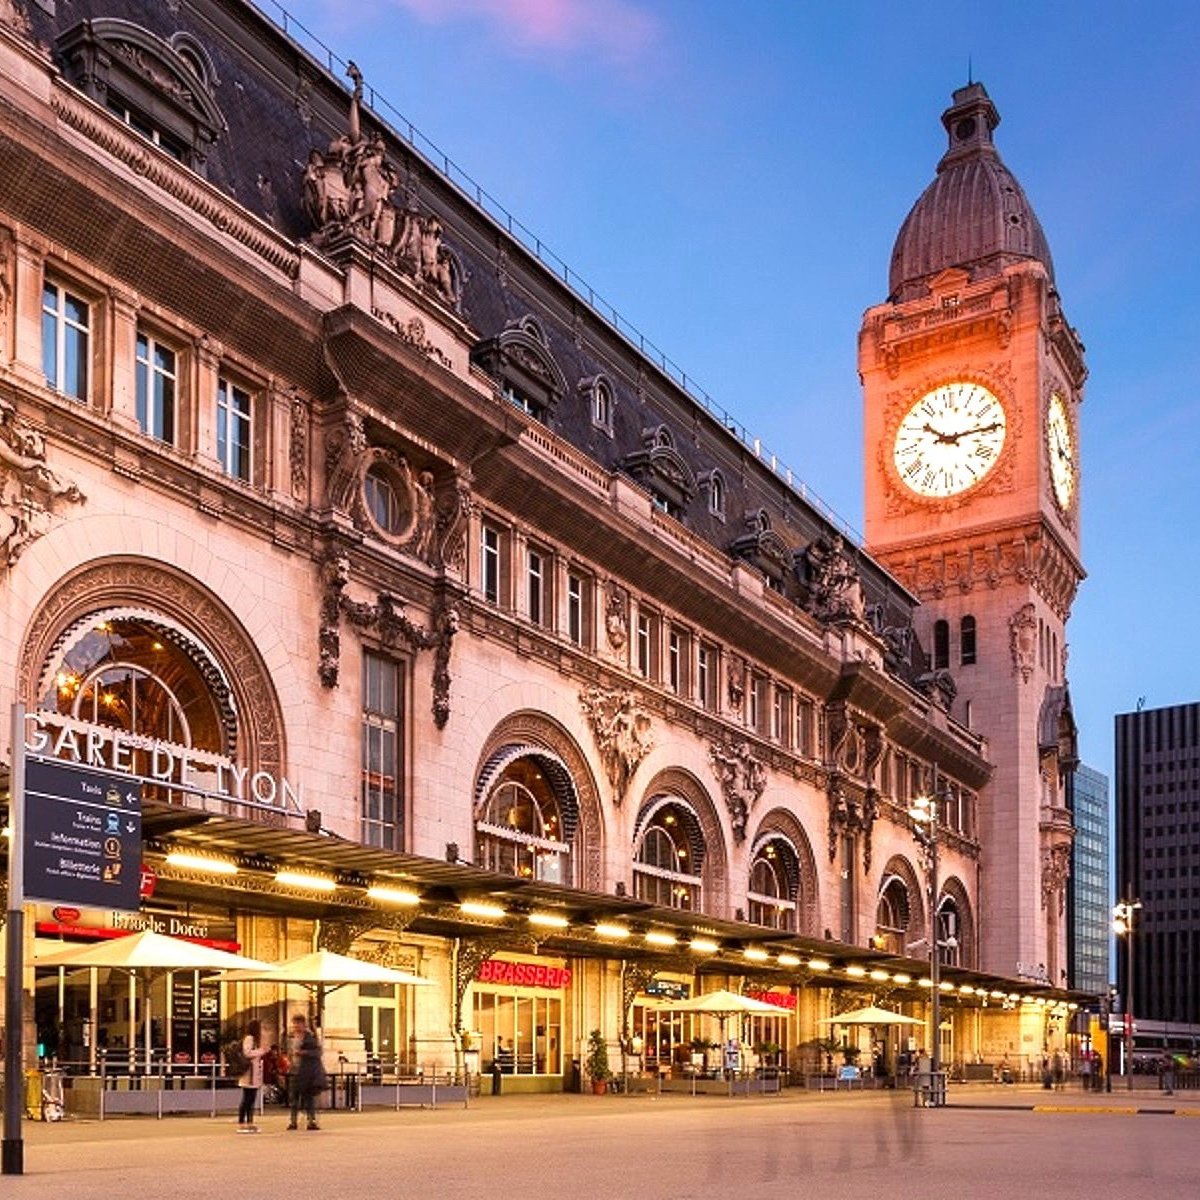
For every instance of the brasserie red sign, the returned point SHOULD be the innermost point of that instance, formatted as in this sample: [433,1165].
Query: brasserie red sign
[779,999]
[520,974]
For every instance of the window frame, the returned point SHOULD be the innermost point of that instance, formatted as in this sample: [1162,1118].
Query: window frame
[229,388]
[376,828]
[148,376]
[63,327]
[491,554]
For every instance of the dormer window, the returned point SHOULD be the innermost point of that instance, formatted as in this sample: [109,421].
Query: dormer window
[598,392]
[716,494]
[152,86]
[520,361]
[662,471]
[763,548]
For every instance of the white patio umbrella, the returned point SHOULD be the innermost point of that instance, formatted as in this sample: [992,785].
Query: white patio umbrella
[721,1004]
[144,955]
[871,1015]
[322,971]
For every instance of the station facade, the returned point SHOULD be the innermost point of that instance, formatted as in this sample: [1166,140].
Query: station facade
[443,626]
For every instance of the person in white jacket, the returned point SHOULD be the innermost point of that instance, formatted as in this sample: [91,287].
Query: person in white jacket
[251,1079]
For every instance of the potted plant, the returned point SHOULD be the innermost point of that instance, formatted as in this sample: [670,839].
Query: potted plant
[702,1045]
[597,1062]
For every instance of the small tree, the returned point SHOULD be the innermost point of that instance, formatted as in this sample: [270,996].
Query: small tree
[597,1057]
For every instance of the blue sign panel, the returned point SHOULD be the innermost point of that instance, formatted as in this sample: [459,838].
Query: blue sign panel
[83,836]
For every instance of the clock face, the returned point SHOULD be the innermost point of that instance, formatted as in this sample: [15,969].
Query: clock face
[949,440]
[1061,447]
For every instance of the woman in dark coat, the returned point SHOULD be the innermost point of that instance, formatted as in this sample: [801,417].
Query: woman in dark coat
[307,1079]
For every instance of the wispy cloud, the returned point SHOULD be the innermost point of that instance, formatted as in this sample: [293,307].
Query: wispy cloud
[616,30]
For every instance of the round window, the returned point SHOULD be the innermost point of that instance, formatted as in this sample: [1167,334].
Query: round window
[388,501]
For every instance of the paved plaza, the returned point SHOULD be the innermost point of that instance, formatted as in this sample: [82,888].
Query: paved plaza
[988,1142]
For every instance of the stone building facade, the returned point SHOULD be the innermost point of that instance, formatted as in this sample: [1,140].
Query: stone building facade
[337,518]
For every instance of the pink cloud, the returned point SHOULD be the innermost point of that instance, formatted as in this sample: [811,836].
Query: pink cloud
[616,29]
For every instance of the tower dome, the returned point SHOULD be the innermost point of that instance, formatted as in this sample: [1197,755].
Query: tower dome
[974,214]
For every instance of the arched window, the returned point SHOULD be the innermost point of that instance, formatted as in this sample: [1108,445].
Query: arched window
[949,934]
[941,645]
[716,494]
[774,879]
[521,828]
[966,641]
[668,857]
[892,917]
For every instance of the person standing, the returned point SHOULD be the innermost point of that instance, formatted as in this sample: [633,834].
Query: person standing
[308,1070]
[251,1078]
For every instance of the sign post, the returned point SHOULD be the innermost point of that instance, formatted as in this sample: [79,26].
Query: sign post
[12,1154]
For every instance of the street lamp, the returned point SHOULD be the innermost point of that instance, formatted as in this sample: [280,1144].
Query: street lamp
[1123,927]
[924,815]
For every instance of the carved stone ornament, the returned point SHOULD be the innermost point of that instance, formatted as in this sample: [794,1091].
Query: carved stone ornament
[345,450]
[616,616]
[897,639]
[391,624]
[30,492]
[412,333]
[736,683]
[835,590]
[1056,870]
[453,514]
[742,776]
[1022,640]
[850,814]
[939,686]
[348,194]
[622,731]
[298,444]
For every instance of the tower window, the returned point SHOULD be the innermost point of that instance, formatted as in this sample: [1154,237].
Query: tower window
[941,645]
[966,641]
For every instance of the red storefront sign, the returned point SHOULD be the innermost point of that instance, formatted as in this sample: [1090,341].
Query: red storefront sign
[784,1000]
[520,974]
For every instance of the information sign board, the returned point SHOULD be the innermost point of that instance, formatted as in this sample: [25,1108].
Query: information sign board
[82,836]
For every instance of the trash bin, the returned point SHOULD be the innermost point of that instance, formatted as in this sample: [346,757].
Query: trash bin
[33,1093]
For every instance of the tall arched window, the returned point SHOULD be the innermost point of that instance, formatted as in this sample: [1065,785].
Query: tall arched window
[966,641]
[521,828]
[892,916]
[941,645]
[668,857]
[774,880]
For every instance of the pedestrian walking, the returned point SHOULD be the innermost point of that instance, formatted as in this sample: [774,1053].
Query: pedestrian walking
[309,1078]
[251,1078]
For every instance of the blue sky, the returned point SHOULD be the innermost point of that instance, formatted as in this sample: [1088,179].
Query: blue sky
[731,176]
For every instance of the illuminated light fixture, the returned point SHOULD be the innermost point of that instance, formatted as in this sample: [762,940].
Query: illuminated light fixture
[925,982]
[1014,995]
[901,977]
[996,995]
[755,954]
[391,895]
[604,929]
[305,879]
[549,920]
[856,972]
[704,946]
[657,938]
[966,989]
[945,986]
[201,862]
[480,908]
[818,964]
[789,960]
[879,976]
[1072,1006]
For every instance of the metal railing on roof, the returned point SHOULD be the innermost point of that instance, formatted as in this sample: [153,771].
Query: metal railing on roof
[404,129]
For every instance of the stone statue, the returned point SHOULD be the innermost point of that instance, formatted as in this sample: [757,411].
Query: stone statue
[835,590]
[622,731]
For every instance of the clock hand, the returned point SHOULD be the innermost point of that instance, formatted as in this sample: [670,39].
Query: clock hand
[943,439]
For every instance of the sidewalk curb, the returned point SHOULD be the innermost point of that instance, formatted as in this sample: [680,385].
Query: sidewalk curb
[1101,1109]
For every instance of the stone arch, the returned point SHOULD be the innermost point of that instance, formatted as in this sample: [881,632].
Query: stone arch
[538,731]
[899,867]
[779,822]
[953,889]
[675,781]
[156,587]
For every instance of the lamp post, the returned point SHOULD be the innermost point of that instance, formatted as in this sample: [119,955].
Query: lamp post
[924,815]
[1123,927]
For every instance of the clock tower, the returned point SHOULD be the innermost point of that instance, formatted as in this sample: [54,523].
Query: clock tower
[972,384]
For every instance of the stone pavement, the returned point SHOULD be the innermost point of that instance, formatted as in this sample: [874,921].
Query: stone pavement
[990,1141]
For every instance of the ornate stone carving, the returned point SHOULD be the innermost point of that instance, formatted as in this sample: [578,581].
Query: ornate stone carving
[453,515]
[389,621]
[622,731]
[338,934]
[1022,640]
[348,194]
[30,492]
[897,639]
[345,451]
[616,616]
[743,778]
[939,686]
[298,444]
[1056,870]
[735,680]
[835,590]
[412,333]
[852,814]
